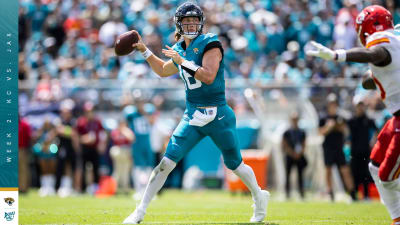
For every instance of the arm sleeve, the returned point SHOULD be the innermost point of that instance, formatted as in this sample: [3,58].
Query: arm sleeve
[214,44]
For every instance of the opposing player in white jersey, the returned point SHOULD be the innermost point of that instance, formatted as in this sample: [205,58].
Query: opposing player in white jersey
[381,40]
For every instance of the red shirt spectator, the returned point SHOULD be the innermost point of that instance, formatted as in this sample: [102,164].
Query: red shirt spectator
[122,136]
[92,127]
[24,134]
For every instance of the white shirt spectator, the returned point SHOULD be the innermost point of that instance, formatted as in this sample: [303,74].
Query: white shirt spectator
[110,30]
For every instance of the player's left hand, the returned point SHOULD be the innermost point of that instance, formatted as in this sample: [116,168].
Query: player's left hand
[321,51]
[174,55]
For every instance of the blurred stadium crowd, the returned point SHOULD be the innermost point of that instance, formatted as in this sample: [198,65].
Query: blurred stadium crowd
[66,45]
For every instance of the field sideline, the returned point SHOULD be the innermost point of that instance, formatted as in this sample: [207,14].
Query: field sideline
[201,207]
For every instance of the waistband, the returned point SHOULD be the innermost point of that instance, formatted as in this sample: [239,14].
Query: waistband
[206,107]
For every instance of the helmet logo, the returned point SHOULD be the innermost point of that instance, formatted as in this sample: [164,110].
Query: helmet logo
[360,18]
[191,13]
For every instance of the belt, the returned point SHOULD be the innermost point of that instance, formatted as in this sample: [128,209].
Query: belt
[397,113]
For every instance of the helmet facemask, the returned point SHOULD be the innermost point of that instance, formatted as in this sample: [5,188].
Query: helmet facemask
[188,10]
[184,28]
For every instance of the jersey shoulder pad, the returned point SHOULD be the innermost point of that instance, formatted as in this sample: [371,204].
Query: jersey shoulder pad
[177,46]
[379,38]
[210,37]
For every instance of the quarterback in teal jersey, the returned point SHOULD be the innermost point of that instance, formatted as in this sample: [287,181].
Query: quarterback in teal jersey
[198,58]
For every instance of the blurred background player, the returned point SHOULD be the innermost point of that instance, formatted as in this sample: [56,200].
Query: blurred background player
[293,144]
[362,134]
[333,128]
[139,120]
[207,113]
[376,33]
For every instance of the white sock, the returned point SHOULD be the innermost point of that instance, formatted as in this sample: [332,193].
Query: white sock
[390,198]
[146,174]
[157,180]
[246,174]
[43,181]
[135,177]
[66,182]
[51,183]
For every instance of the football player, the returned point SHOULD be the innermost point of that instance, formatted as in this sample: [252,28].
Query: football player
[381,51]
[142,153]
[198,58]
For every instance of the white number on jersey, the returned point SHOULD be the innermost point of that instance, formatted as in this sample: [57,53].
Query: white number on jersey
[186,76]
[141,125]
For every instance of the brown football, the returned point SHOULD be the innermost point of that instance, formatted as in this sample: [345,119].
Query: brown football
[124,42]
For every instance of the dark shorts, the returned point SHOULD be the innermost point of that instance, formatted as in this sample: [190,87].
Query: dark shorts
[334,156]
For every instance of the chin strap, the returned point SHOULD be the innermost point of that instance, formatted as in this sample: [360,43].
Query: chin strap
[190,36]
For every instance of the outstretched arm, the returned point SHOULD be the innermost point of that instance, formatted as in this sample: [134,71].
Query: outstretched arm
[377,55]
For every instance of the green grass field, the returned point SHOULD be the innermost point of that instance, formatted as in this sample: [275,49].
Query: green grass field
[201,207]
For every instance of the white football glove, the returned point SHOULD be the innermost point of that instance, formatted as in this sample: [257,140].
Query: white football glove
[321,51]
[326,53]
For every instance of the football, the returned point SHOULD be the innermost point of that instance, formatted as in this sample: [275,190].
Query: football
[124,42]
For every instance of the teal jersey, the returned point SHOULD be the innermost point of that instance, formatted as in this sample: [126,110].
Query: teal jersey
[197,92]
[140,126]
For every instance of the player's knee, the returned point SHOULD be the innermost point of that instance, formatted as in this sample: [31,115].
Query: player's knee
[232,164]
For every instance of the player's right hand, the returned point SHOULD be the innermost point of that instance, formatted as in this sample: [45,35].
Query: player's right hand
[321,51]
[140,45]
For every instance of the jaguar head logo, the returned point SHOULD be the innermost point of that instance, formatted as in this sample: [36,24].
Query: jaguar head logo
[9,201]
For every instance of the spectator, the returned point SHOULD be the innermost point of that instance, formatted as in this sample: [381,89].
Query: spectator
[293,145]
[122,138]
[333,127]
[110,30]
[24,152]
[344,33]
[46,150]
[92,139]
[68,146]
[362,136]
